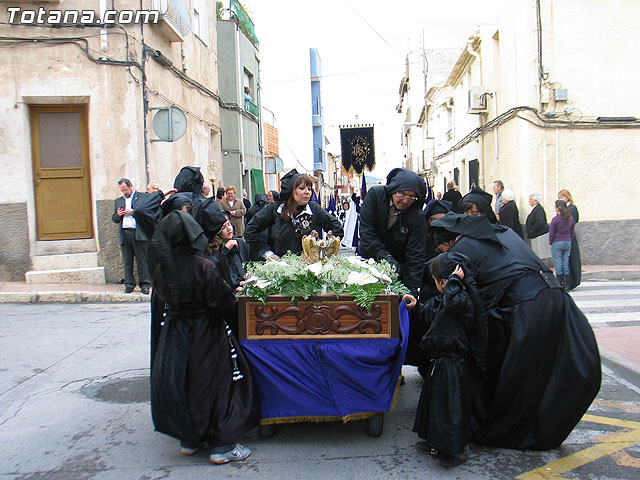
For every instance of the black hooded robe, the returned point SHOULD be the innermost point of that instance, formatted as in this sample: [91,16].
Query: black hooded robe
[575,262]
[543,362]
[403,243]
[443,416]
[194,396]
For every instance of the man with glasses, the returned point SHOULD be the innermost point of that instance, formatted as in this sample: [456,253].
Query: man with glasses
[392,227]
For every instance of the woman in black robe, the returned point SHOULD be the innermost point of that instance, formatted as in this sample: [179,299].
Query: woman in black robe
[279,227]
[543,366]
[201,387]
[478,202]
[575,262]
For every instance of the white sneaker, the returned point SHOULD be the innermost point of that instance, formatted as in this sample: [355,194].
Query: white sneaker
[237,453]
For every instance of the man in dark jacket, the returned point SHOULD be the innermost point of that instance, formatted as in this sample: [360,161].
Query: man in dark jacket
[133,240]
[392,226]
[453,195]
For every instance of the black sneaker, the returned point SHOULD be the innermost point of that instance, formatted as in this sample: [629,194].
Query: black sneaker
[128,289]
[145,291]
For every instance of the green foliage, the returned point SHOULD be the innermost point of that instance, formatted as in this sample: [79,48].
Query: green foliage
[293,277]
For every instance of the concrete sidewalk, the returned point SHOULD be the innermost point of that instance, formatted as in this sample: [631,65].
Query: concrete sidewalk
[21,292]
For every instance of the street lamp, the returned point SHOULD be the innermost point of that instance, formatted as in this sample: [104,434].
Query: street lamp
[431,178]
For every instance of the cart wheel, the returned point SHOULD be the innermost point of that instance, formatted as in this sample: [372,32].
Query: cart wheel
[375,425]
[267,431]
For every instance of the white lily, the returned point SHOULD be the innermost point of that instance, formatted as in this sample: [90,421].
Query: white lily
[262,284]
[360,278]
[314,268]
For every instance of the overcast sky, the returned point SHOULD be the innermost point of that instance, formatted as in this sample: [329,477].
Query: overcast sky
[362,46]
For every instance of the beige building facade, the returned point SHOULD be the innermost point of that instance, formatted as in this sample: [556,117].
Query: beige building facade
[548,99]
[78,105]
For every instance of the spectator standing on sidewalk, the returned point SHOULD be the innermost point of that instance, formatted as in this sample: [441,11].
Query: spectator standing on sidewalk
[453,195]
[537,227]
[509,215]
[133,241]
[560,236]
[498,187]
[236,210]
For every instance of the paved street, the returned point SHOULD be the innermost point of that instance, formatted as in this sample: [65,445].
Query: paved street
[74,405]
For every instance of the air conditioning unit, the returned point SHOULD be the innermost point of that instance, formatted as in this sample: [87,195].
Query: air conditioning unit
[174,21]
[477,100]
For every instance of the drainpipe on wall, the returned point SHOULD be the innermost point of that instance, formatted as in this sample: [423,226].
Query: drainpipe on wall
[241,97]
[144,104]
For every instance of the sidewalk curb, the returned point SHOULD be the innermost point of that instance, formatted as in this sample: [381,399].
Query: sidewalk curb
[72,297]
[611,275]
[626,369]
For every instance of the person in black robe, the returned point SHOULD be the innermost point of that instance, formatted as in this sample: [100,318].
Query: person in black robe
[228,253]
[279,227]
[443,416]
[259,201]
[478,202]
[575,262]
[543,366]
[417,328]
[392,226]
[202,391]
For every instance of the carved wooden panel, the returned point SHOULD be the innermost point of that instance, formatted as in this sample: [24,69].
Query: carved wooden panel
[323,316]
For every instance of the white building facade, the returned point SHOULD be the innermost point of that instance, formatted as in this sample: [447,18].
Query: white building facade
[548,99]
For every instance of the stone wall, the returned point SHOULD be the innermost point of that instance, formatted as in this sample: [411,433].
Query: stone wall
[14,242]
[609,242]
[109,253]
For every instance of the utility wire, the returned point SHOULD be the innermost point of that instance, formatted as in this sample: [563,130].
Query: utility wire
[371,27]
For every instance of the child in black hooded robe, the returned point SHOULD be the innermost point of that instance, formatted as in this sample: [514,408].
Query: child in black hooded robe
[443,417]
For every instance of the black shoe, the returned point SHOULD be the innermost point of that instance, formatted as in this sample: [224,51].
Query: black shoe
[424,446]
[450,461]
[128,289]
[145,291]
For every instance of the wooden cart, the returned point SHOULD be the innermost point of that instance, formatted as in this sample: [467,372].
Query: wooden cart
[341,359]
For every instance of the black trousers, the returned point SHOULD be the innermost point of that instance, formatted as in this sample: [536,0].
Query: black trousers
[134,248]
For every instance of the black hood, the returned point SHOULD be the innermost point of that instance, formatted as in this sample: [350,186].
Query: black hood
[400,179]
[211,218]
[189,179]
[176,201]
[438,206]
[468,225]
[260,199]
[286,184]
[482,200]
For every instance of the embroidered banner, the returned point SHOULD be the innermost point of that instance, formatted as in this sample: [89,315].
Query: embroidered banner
[357,146]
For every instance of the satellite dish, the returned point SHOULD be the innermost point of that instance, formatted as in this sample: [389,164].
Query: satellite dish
[273,165]
[169,124]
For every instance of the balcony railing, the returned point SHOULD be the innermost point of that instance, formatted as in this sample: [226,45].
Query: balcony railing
[252,108]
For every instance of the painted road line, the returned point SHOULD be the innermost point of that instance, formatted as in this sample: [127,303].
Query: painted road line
[611,443]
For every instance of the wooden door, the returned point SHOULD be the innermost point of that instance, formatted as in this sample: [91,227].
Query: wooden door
[59,144]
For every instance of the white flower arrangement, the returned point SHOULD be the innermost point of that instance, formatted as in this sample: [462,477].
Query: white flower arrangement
[293,276]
